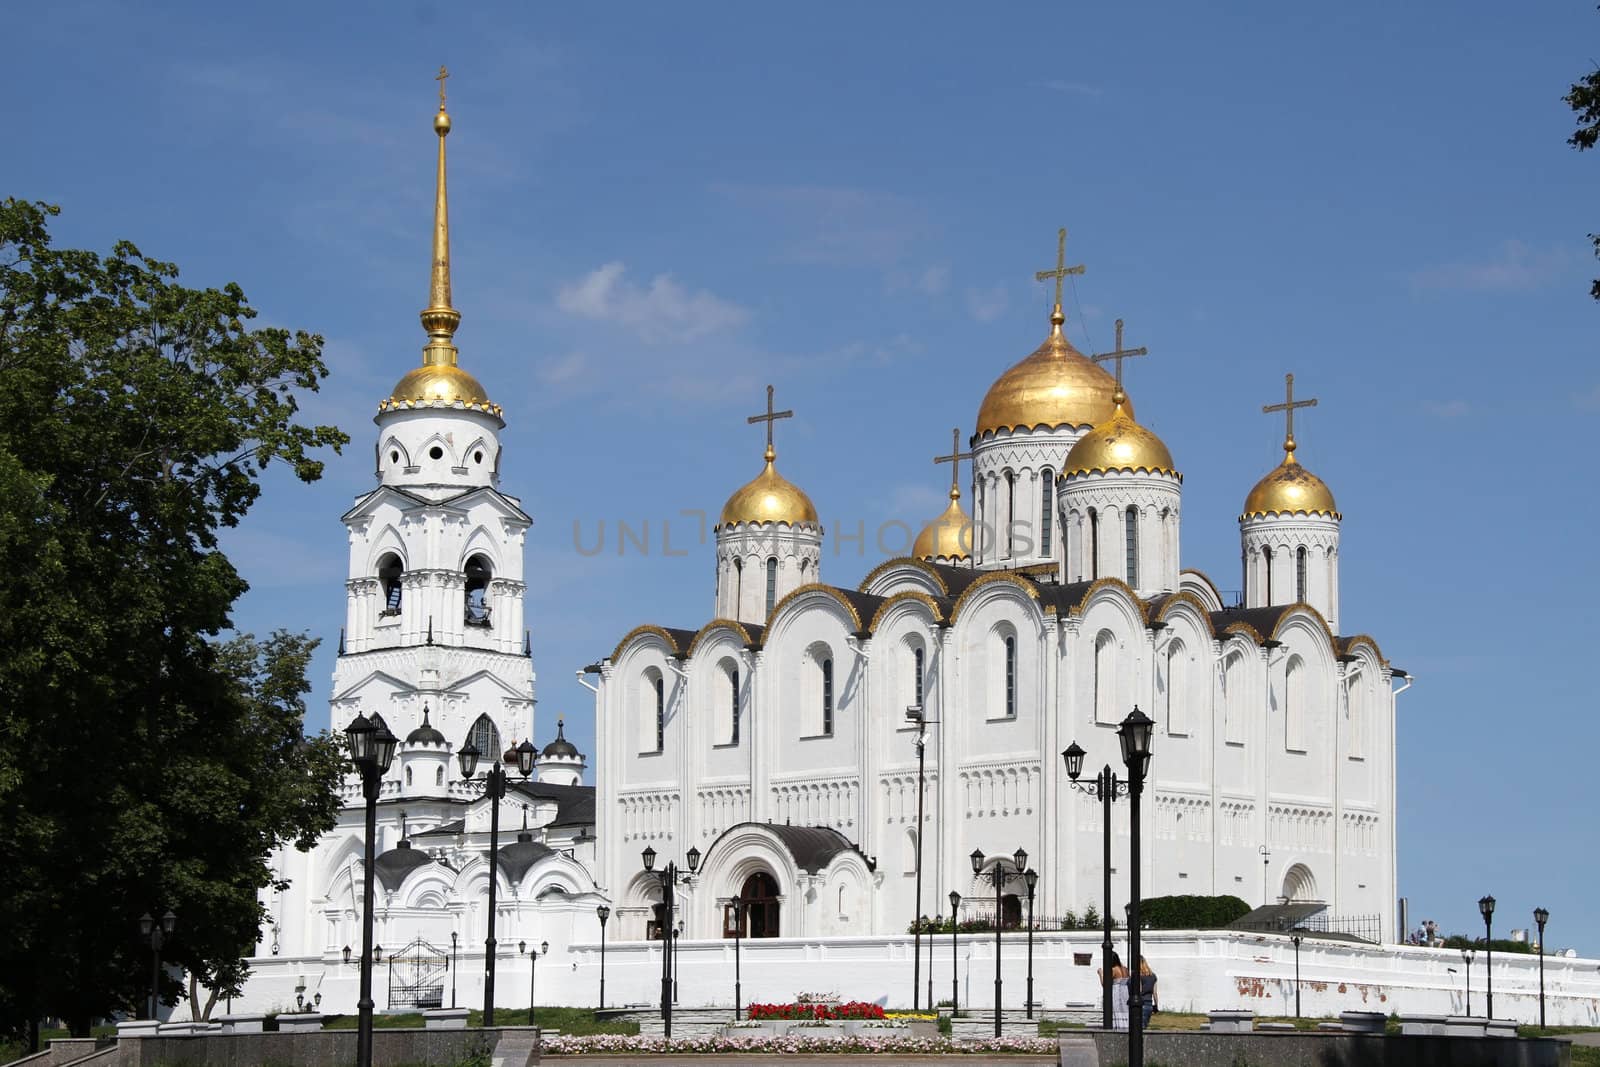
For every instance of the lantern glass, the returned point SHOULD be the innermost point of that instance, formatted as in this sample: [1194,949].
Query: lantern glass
[977,861]
[1032,878]
[383,747]
[522,946]
[147,923]
[347,953]
[526,754]
[1486,908]
[377,953]
[1020,859]
[649,857]
[1541,916]
[360,733]
[693,856]
[1134,733]
[604,913]
[468,758]
[169,921]
[1073,756]
[544,948]
[955,902]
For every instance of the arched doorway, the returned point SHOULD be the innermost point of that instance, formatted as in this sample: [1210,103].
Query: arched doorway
[1011,912]
[1299,885]
[759,899]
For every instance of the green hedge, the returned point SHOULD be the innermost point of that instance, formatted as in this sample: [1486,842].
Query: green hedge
[1190,912]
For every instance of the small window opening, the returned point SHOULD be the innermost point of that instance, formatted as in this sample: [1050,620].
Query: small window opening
[827,697]
[436,452]
[477,457]
[389,573]
[394,455]
[477,604]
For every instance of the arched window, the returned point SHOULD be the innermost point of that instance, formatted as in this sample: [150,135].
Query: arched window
[477,591]
[1131,535]
[738,585]
[485,737]
[652,711]
[661,712]
[1300,575]
[1233,694]
[1094,544]
[827,697]
[1011,676]
[772,582]
[916,675]
[759,895]
[1011,511]
[1266,567]
[1068,529]
[408,776]
[733,704]
[1174,681]
[1357,702]
[1105,678]
[910,858]
[1047,493]
[389,575]
[1294,705]
[438,776]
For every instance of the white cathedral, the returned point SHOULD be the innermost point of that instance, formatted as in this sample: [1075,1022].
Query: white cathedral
[774,738]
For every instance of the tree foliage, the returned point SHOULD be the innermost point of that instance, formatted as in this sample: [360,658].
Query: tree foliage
[145,763]
[1189,912]
[1584,100]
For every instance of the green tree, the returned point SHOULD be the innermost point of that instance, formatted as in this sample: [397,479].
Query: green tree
[1584,99]
[145,763]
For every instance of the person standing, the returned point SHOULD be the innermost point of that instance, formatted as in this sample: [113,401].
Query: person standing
[1147,990]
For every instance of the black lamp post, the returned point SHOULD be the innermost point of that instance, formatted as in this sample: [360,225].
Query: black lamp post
[1466,958]
[1105,788]
[156,933]
[997,875]
[602,913]
[1540,917]
[533,970]
[493,784]
[1032,878]
[371,750]
[914,715]
[955,963]
[1296,939]
[454,939]
[738,935]
[669,877]
[1486,909]
[1134,733]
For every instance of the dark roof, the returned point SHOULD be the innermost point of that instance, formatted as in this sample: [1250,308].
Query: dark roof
[561,747]
[574,803]
[425,734]
[1277,918]
[865,604]
[681,639]
[1262,620]
[516,859]
[445,829]
[813,847]
[956,579]
[1066,598]
[394,865]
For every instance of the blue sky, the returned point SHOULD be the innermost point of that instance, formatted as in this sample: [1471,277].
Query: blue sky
[657,209]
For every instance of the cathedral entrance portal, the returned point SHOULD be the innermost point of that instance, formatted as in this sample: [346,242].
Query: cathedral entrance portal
[417,976]
[1011,912]
[758,898]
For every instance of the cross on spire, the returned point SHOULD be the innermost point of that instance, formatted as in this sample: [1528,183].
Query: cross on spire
[954,458]
[1062,270]
[1287,407]
[440,77]
[1118,354]
[769,418]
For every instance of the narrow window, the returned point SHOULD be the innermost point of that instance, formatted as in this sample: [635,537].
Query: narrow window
[438,776]
[389,572]
[661,713]
[1046,519]
[827,697]
[1011,677]
[916,670]
[1094,543]
[485,738]
[772,583]
[1131,532]
[1011,509]
[1066,546]
[1300,575]
[1266,565]
[478,573]
[733,704]
[738,586]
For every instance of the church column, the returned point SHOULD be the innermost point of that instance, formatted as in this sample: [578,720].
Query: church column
[762,742]
[951,732]
[1050,732]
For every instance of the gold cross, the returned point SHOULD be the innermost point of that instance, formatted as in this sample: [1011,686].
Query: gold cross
[440,77]
[1118,354]
[1062,270]
[1287,407]
[955,457]
[769,418]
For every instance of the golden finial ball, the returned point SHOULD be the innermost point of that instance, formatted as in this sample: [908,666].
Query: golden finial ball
[441,122]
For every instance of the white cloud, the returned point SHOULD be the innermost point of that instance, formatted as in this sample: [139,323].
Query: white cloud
[563,370]
[989,304]
[1448,409]
[1517,266]
[662,311]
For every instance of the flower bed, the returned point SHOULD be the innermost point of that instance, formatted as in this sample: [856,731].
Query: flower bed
[621,1045]
[850,1009]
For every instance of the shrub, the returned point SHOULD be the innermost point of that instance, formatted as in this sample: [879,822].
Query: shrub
[1189,912]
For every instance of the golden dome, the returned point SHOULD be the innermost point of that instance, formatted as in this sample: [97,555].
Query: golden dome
[1055,386]
[437,383]
[947,537]
[770,498]
[1118,444]
[1290,489]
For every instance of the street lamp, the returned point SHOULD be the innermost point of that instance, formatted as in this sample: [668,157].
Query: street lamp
[347,953]
[1466,958]
[669,878]
[1134,733]
[1032,879]
[1486,909]
[602,913]
[1106,788]
[533,970]
[493,784]
[1296,939]
[914,714]
[371,750]
[454,940]
[738,934]
[1540,917]
[156,933]
[997,875]
[955,963]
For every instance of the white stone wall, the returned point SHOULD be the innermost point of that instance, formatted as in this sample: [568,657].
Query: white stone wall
[1271,544]
[468,443]
[743,550]
[1156,500]
[1033,459]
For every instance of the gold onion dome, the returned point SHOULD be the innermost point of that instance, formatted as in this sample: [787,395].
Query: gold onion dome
[1290,489]
[769,498]
[440,380]
[1118,444]
[1055,386]
[947,537]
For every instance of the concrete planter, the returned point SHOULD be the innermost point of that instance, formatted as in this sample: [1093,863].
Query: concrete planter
[242,1023]
[1363,1022]
[1463,1026]
[300,1022]
[137,1028]
[445,1019]
[1422,1025]
[1231,1022]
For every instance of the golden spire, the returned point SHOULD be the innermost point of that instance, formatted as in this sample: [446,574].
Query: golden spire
[769,418]
[1057,316]
[440,318]
[1287,407]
